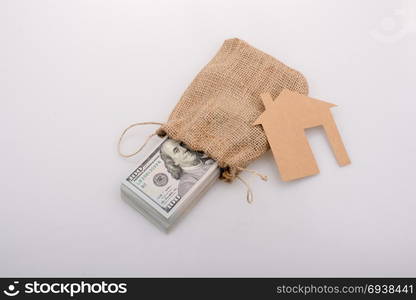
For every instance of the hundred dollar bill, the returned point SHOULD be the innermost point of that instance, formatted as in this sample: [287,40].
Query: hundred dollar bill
[168,180]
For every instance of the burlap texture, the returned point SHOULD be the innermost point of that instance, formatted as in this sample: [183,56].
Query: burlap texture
[216,112]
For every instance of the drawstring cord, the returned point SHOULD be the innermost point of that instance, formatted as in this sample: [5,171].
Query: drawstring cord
[262,176]
[145,142]
[249,191]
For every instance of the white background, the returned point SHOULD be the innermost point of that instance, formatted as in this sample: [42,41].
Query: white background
[74,74]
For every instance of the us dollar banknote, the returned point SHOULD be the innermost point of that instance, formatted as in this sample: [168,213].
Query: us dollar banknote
[168,180]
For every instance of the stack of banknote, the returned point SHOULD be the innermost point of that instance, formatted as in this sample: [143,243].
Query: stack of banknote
[168,181]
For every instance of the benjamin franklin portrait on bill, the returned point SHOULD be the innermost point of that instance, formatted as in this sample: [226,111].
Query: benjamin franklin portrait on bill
[183,164]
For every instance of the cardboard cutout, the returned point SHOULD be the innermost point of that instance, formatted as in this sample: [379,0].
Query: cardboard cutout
[284,122]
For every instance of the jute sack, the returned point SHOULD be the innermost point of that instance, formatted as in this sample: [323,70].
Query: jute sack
[216,112]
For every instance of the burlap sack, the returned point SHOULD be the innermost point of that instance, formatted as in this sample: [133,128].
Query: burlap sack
[216,112]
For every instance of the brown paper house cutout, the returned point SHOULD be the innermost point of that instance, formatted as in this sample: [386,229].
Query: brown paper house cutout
[285,121]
